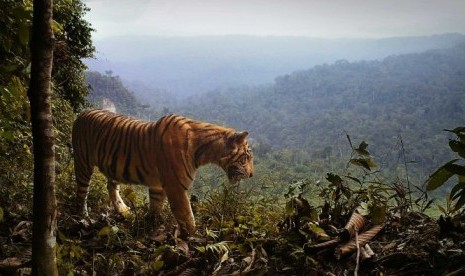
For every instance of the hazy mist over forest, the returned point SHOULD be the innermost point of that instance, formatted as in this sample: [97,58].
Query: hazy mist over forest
[186,47]
[184,66]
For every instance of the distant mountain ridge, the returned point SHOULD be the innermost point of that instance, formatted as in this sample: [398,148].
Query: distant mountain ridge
[183,66]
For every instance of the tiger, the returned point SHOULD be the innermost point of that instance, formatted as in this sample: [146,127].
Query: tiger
[162,155]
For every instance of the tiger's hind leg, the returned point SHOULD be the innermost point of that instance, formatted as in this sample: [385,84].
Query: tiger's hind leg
[157,198]
[83,174]
[118,203]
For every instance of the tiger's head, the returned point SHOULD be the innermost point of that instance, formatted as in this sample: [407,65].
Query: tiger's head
[238,162]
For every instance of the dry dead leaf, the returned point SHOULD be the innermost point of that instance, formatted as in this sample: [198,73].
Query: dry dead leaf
[182,246]
[9,263]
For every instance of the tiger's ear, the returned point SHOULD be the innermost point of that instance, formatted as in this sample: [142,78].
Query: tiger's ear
[237,138]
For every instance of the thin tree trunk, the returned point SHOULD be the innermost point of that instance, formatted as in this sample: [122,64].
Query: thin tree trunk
[44,205]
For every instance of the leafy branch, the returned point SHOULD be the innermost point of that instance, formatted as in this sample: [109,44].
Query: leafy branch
[455,167]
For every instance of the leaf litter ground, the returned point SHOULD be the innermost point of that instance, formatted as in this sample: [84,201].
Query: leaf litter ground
[110,245]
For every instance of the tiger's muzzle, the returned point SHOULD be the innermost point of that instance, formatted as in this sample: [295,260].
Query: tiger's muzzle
[237,173]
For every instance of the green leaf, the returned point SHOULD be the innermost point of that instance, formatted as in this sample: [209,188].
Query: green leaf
[161,249]
[23,33]
[461,201]
[20,13]
[460,132]
[62,237]
[362,149]
[57,27]
[313,214]
[441,209]
[290,210]
[346,192]
[428,204]
[439,177]
[201,249]
[316,229]
[8,135]
[455,169]
[1,214]
[105,231]
[365,163]
[457,188]
[9,68]
[157,265]
[456,130]
[457,147]
[371,163]
[363,209]
[243,248]
[334,179]
[363,145]
[130,194]
[378,214]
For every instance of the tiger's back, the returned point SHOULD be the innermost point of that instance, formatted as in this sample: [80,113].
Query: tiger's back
[118,145]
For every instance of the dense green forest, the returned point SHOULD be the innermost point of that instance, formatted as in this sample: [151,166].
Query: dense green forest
[111,87]
[339,149]
[308,113]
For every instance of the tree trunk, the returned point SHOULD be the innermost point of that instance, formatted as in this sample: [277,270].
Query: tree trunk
[44,205]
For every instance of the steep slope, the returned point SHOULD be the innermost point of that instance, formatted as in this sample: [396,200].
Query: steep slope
[111,88]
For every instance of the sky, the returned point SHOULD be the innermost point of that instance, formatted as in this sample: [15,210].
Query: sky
[312,18]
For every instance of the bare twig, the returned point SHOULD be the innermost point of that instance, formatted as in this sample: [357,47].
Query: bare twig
[406,171]
[358,252]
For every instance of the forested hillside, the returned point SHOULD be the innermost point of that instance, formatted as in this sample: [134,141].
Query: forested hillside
[191,65]
[107,86]
[412,97]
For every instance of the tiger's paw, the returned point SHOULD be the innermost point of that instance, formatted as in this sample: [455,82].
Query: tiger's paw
[81,209]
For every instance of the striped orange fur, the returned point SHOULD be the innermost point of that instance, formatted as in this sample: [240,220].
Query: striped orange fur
[162,155]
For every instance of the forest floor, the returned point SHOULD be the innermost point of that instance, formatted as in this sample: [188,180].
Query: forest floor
[107,244]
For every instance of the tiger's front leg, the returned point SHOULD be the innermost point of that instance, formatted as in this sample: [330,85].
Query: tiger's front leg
[118,203]
[181,208]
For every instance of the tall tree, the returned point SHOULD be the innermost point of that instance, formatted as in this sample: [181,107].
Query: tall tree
[44,204]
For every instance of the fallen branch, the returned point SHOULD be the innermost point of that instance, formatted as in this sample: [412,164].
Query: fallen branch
[320,246]
[356,221]
[363,239]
